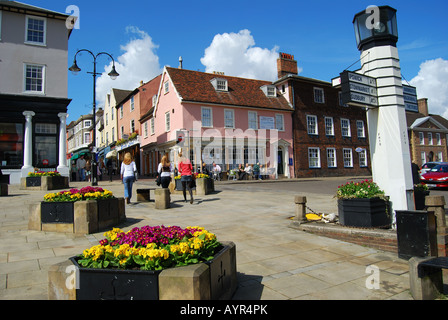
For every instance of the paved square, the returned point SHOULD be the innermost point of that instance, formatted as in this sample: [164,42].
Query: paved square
[274,261]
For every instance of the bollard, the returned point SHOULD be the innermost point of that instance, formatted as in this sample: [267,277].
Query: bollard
[162,198]
[3,189]
[437,204]
[300,202]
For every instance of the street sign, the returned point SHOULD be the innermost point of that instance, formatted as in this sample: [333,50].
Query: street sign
[410,98]
[358,90]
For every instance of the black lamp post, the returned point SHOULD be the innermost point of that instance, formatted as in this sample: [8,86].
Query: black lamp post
[113,74]
[380,30]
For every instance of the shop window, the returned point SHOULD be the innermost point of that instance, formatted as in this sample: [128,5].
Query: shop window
[11,145]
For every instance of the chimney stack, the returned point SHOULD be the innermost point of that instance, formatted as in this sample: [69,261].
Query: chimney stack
[180,62]
[423,106]
[286,65]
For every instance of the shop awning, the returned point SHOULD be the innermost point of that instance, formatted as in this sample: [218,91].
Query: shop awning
[111,154]
[79,153]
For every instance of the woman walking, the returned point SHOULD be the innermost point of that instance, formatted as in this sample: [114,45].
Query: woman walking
[186,171]
[128,169]
[165,168]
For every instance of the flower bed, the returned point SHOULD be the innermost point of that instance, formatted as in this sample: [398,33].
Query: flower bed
[363,204]
[151,248]
[149,263]
[363,189]
[37,173]
[81,211]
[72,195]
[44,180]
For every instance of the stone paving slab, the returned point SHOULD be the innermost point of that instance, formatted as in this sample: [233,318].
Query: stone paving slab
[274,261]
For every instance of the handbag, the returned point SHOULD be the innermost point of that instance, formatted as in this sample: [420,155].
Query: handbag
[158,180]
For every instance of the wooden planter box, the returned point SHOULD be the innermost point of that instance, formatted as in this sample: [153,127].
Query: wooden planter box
[44,183]
[80,217]
[212,280]
[364,213]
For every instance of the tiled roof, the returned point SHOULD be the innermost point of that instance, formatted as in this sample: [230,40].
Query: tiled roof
[120,95]
[195,86]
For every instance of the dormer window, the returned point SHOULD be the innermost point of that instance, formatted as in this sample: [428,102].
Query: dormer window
[219,84]
[269,90]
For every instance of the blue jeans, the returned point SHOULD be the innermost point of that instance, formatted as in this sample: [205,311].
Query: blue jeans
[128,181]
[82,175]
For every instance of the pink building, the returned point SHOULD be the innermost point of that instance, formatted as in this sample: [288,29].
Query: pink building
[222,119]
[129,111]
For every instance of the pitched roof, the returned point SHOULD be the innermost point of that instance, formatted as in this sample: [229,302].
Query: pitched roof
[147,91]
[195,86]
[29,9]
[120,95]
[415,119]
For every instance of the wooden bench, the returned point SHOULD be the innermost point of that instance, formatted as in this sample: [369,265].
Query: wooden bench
[426,278]
[144,194]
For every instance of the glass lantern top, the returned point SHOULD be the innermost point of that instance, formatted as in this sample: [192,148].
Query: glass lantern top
[376,26]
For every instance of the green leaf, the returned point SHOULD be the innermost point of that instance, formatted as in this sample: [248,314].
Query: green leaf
[139,260]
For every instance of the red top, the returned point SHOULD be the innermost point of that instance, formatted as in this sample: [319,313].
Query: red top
[185,169]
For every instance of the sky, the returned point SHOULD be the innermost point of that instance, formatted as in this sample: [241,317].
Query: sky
[243,38]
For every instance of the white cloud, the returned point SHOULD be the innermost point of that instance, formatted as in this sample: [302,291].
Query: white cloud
[138,62]
[235,54]
[432,83]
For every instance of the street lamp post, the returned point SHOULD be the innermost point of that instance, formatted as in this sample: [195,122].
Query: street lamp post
[113,74]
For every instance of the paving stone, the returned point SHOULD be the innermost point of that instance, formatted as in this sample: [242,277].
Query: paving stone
[274,262]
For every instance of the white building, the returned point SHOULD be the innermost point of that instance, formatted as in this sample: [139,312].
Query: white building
[33,89]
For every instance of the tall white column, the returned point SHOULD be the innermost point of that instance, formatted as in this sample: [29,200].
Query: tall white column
[389,144]
[28,144]
[63,169]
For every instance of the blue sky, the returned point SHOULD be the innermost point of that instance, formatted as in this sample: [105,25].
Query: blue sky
[242,37]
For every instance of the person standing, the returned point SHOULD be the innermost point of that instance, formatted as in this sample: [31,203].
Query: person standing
[101,167]
[186,172]
[216,172]
[81,166]
[88,168]
[248,170]
[257,170]
[165,168]
[109,169]
[73,170]
[128,169]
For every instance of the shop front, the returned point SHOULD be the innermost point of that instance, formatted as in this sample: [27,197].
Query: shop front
[32,135]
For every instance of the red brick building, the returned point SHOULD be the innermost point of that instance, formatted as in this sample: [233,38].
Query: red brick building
[330,139]
[427,135]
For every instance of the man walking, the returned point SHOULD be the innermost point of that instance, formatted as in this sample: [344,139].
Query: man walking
[81,165]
